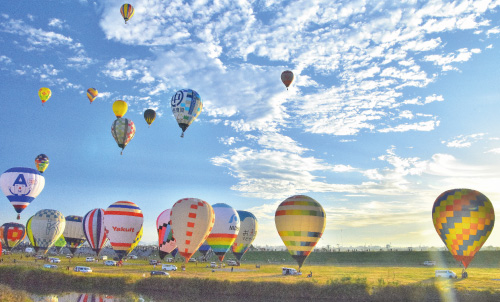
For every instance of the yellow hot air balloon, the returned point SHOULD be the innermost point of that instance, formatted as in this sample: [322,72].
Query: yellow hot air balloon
[120,108]
[44,93]
[192,220]
[300,221]
[92,94]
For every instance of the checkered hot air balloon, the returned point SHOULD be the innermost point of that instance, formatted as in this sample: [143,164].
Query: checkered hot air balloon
[123,130]
[46,226]
[300,222]
[464,219]
[166,240]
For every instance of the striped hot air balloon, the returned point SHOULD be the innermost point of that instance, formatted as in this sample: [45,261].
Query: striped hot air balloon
[92,94]
[11,234]
[93,228]
[166,240]
[192,221]
[247,234]
[204,248]
[300,221]
[464,219]
[225,230]
[123,222]
[127,11]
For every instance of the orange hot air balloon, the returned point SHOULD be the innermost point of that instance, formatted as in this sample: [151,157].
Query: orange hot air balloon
[92,94]
[192,220]
[127,11]
[287,78]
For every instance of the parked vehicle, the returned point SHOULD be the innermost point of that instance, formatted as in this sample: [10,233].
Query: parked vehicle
[132,257]
[445,274]
[29,250]
[232,263]
[290,271]
[169,267]
[83,269]
[161,273]
[110,263]
[54,260]
[154,261]
[90,259]
[169,259]
[104,257]
[192,260]
[430,263]
[213,264]
[49,266]
[69,256]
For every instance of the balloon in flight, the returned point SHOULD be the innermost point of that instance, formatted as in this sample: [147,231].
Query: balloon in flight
[166,240]
[93,229]
[186,106]
[149,116]
[123,130]
[120,108]
[246,235]
[123,222]
[21,186]
[192,220]
[46,227]
[287,78]
[300,222]
[127,11]
[225,230]
[464,219]
[44,93]
[92,94]
[41,162]
[11,234]
[73,232]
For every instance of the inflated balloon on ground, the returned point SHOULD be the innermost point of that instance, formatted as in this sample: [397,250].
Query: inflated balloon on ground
[93,228]
[46,227]
[166,240]
[11,234]
[246,235]
[225,230]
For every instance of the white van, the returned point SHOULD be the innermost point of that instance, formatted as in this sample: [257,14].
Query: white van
[83,269]
[169,267]
[90,259]
[445,274]
[290,271]
[430,263]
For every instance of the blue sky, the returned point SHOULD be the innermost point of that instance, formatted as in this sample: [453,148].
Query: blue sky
[393,103]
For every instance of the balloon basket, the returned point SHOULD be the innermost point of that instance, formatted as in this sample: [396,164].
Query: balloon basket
[18,216]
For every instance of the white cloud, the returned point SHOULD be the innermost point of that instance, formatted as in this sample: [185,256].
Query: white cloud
[464,141]
[54,22]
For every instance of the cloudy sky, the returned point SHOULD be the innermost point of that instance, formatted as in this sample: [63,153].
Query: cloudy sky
[393,103]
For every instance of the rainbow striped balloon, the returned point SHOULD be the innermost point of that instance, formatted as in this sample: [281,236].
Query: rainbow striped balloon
[225,231]
[123,222]
[300,221]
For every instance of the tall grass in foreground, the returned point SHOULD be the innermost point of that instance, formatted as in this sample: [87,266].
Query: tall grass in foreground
[9,295]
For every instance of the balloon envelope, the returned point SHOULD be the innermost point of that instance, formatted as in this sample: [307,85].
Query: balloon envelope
[120,108]
[93,228]
[11,234]
[204,248]
[225,230]
[123,130]
[300,221]
[166,240]
[192,221]
[246,235]
[127,11]
[21,186]
[149,116]
[44,93]
[287,78]
[123,222]
[73,232]
[186,107]
[41,162]
[92,94]
[464,219]
[60,243]
[47,226]
[29,234]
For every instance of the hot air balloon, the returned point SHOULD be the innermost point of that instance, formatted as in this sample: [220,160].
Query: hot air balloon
[247,234]
[287,78]
[73,233]
[93,228]
[204,248]
[60,243]
[41,162]
[120,108]
[123,130]
[44,93]
[166,240]
[11,234]
[192,220]
[186,106]
[149,116]
[225,230]
[300,222]
[21,186]
[127,11]
[92,94]
[464,219]
[123,222]
[46,227]
[29,234]
[174,252]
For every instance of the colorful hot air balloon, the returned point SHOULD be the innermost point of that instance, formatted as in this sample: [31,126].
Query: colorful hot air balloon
[60,243]
[21,186]
[247,234]
[29,234]
[204,248]
[123,130]
[300,222]
[92,94]
[192,220]
[44,93]
[287,78]
[123,222]
[127,11]
[11,234]
[225,230]
[93,228]
[186,107]
[46,227]
[464,219]
[41,162]
[166,240]
[120,108]
[149,116]
[73,233]
[174,252]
